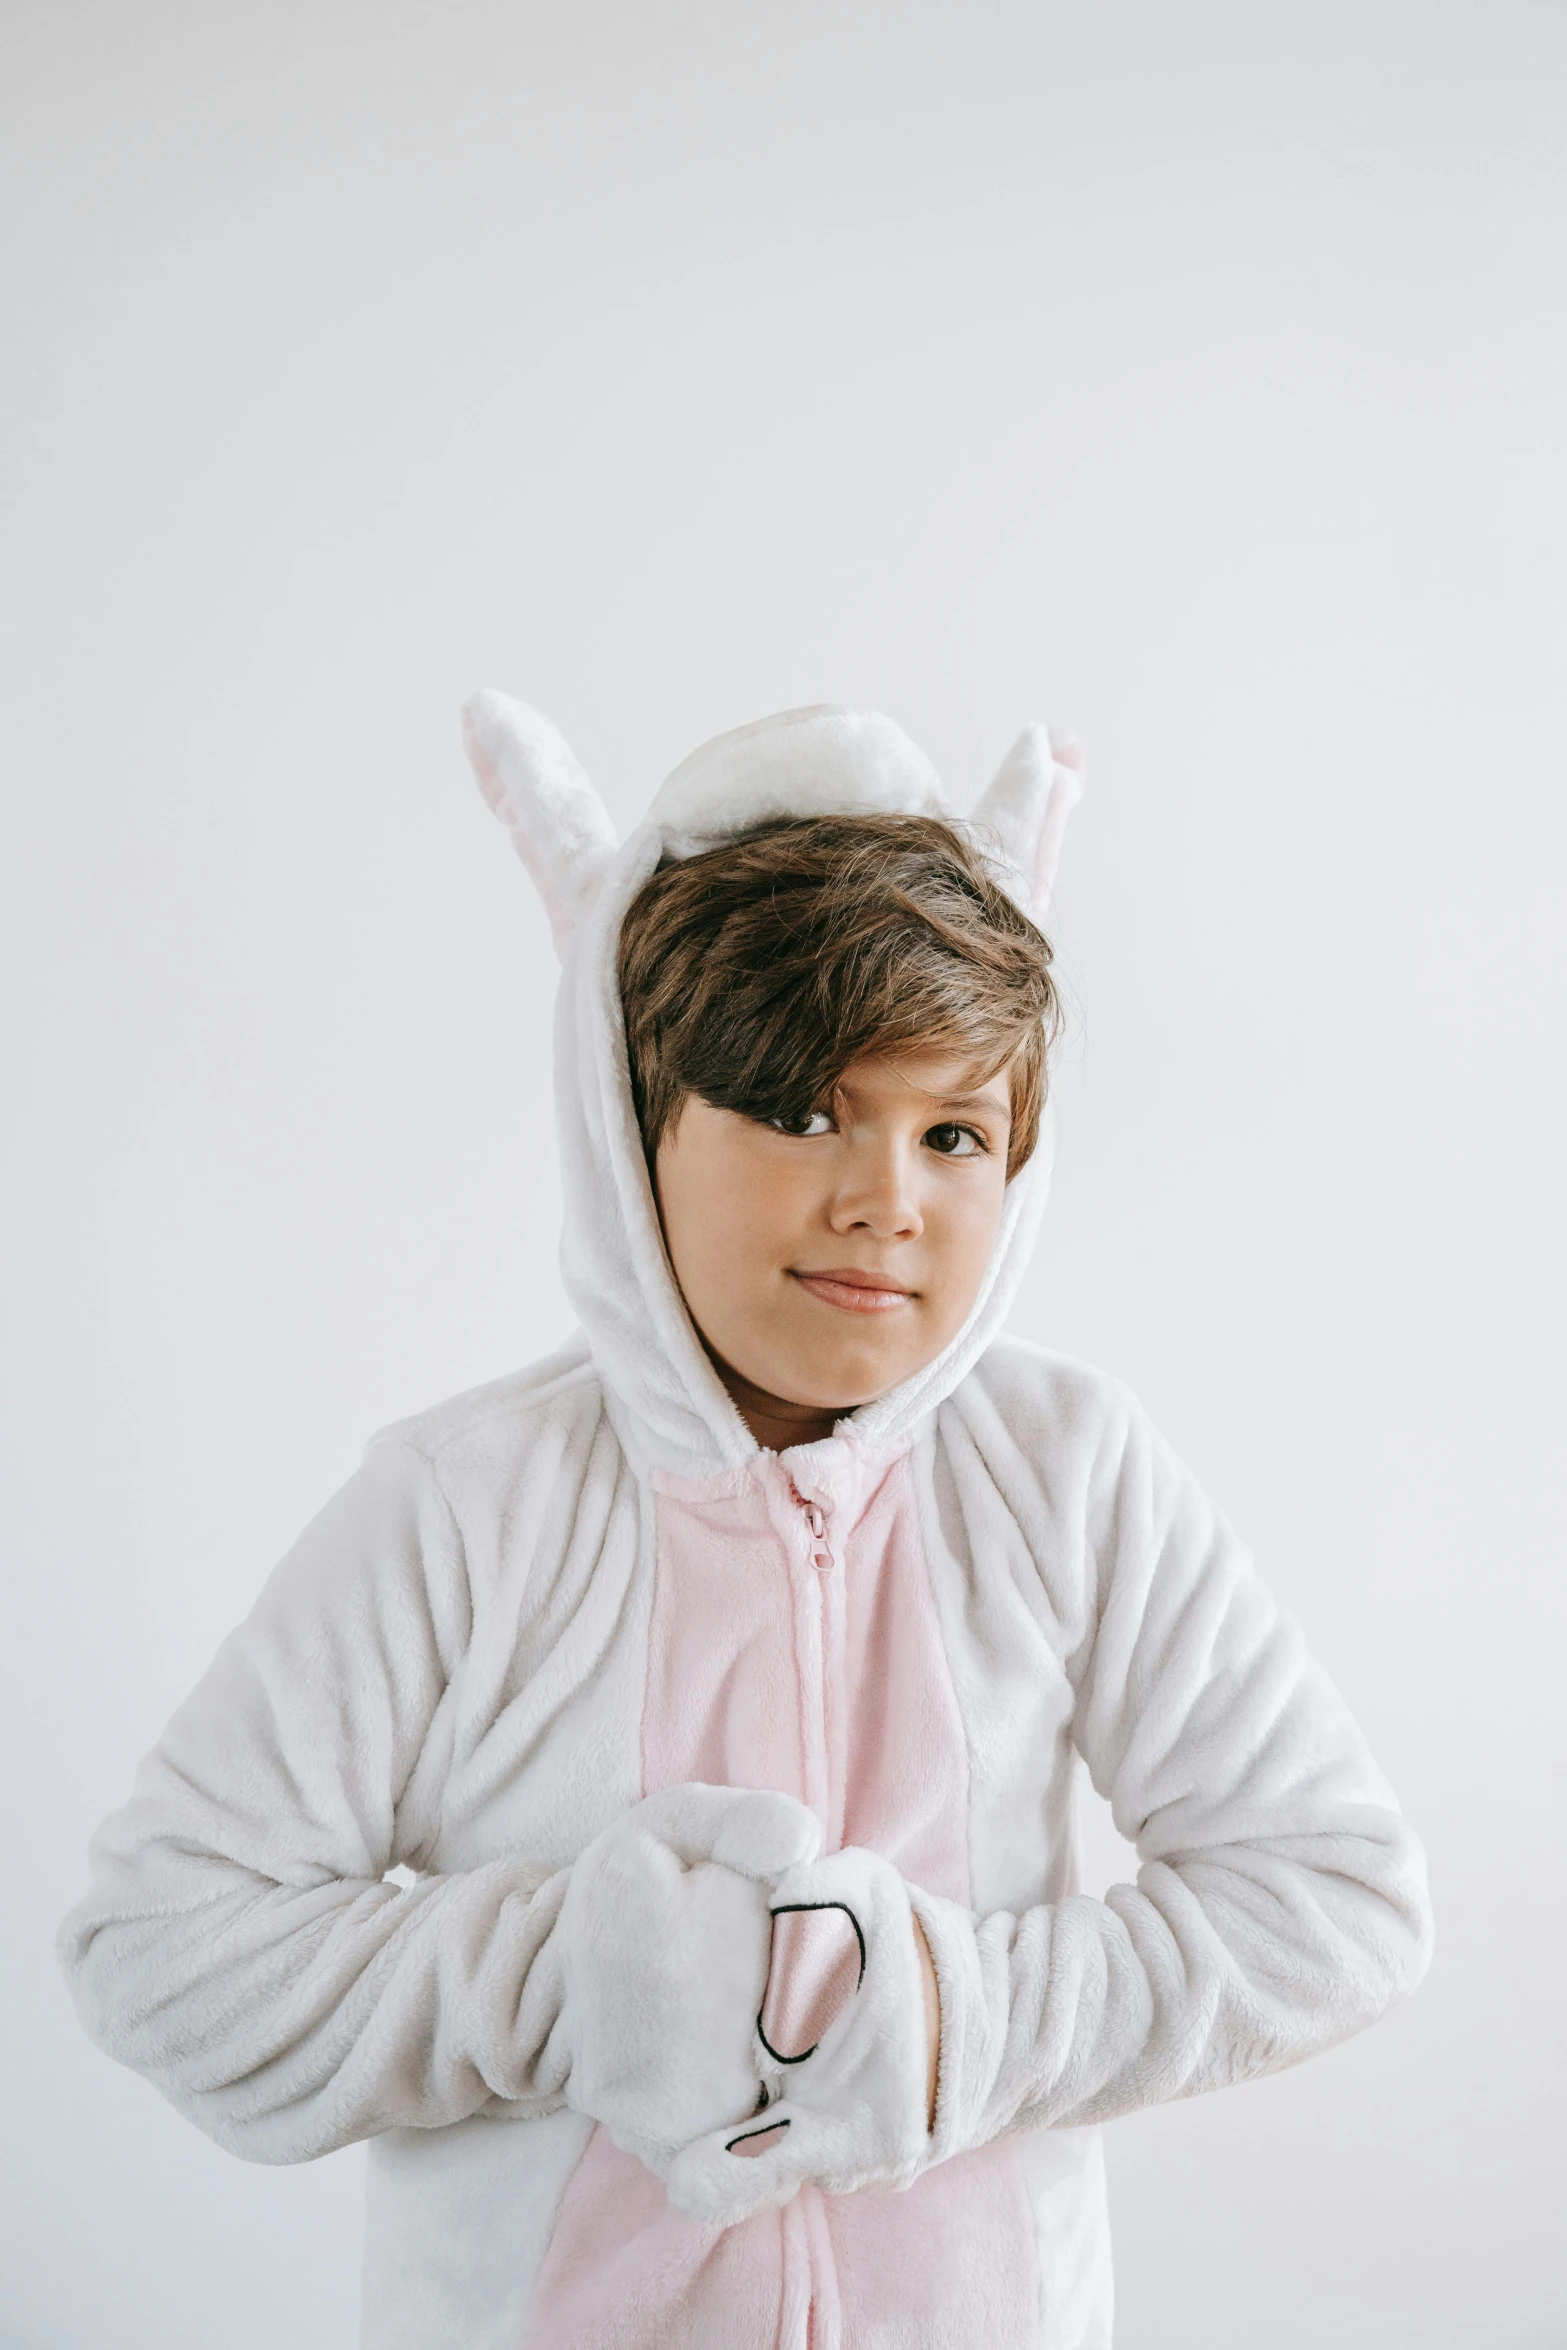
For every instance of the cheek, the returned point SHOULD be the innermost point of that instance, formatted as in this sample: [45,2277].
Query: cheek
[969,1227]
[728,1221]
[722,1242]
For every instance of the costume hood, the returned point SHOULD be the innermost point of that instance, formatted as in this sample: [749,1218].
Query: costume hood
[670,1409]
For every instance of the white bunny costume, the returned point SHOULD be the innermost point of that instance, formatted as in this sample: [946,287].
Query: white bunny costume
[677,1731]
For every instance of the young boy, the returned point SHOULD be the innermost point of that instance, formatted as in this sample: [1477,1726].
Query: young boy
[717,1685]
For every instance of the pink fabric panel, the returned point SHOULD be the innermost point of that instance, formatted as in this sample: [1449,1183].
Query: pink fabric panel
[906,1759]
[765,1672]
[950,2260]
[814,1972]
[624,2272]
[722,1702]
[825,2329]
[811,1663]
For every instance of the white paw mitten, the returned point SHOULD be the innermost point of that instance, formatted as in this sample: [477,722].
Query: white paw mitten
[663,1940]
[843,2046]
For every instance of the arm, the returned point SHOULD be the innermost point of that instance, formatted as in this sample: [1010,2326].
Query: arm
[238,1944]
[1280,1904]
[239,1947]
[1279,1907]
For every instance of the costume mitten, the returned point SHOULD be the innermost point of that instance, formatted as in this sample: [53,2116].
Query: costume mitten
[851,2105]
[663,1941]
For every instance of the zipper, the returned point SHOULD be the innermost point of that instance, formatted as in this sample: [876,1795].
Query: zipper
[809,2239]
[825,1701]
[819,1599]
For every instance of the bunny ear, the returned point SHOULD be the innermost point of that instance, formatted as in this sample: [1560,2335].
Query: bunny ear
[559,826]
[1037,785]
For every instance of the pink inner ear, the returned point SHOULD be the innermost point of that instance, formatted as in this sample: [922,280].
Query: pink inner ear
[815,1971]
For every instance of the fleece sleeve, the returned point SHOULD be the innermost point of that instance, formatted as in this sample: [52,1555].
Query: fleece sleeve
[1280,1902]
[238,1944]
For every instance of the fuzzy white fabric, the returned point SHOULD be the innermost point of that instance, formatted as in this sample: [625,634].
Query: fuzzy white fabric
[663,1945]
[853,2113]
[453,1672]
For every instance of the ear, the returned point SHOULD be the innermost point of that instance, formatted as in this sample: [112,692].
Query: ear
[559,826]
[1037,785]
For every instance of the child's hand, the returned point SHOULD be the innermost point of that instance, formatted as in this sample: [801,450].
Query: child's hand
[664,1937]
[855,2108]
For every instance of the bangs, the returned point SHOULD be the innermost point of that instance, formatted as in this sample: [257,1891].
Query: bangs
[755,973]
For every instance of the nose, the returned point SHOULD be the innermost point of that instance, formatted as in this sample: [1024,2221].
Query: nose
[878,1193]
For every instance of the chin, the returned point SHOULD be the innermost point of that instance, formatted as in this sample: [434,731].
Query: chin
[857,1384]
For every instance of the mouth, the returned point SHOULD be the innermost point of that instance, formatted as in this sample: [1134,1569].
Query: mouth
[854,1291]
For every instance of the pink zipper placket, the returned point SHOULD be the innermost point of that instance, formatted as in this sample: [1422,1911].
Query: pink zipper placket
[826,1587]
[822,1595]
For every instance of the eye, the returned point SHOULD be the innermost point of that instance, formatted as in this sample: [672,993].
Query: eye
[956,1142]
[803,1124]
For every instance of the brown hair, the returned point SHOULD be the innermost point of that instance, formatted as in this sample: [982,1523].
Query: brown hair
[754,973]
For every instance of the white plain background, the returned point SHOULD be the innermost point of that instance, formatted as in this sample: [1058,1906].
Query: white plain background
[1189,371]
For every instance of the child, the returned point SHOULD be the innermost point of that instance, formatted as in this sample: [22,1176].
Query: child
[717,1684]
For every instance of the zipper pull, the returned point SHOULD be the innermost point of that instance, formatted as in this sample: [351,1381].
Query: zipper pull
[821,1556]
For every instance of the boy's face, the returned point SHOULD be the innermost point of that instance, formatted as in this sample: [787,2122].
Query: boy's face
[827,1265]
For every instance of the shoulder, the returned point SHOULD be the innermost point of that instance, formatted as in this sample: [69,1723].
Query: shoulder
[1056,1435]
[555,1404]
[1043,1399]
[1053,1438]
